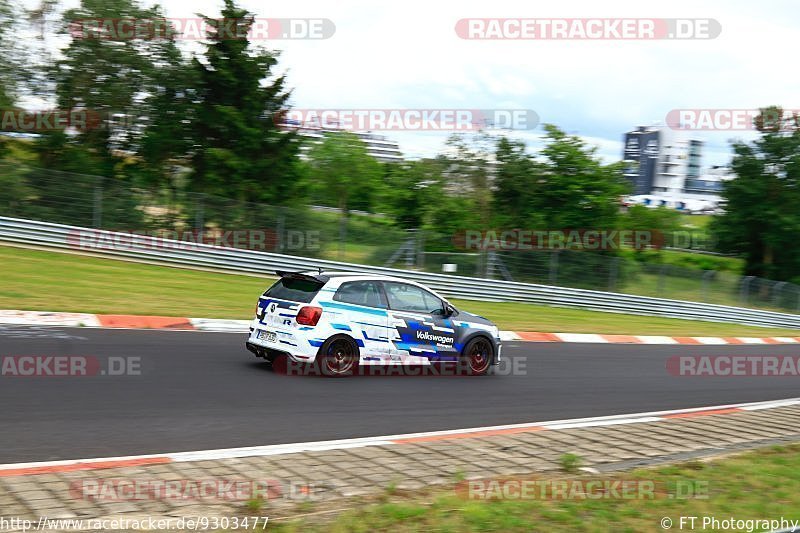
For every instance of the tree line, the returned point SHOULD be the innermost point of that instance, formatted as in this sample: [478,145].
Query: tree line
[208,122]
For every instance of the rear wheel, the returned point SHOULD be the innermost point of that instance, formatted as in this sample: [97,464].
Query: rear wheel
[477,357]
[338,357]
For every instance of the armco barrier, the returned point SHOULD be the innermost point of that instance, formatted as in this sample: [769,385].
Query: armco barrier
[56,236]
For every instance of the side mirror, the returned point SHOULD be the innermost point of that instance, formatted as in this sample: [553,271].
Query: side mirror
[449,311]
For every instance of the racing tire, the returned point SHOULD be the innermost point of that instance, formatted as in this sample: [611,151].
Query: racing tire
[338,357]
[477,357]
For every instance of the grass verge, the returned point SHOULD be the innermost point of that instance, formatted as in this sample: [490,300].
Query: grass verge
[52,281]
[763,484]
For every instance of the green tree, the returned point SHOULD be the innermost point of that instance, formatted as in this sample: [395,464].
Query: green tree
[410,188]
[165,144]
[422,195]
[239,151]
[343,174]
[575,189]
[761,221]
[468,173]
[109,75]
[39,51]
[518,178]
[564,186]
[660,220]
[10,60]
[10,52]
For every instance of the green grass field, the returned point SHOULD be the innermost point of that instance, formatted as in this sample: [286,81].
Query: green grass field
[763,484]
[696,221]
[51,281]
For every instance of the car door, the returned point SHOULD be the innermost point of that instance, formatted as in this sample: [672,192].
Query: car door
[418,330]
[362,314]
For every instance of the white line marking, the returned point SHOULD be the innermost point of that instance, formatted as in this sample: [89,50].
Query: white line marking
[770,405]
[710,340]
[581,337]
[277,449]
[603,423]
[656,339]
[211,324]
[46,318]
[509,336]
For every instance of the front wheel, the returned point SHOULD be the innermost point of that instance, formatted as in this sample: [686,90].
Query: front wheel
[338,357]
[477,357]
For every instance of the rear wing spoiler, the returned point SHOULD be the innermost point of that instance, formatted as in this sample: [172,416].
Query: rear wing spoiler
[320,278]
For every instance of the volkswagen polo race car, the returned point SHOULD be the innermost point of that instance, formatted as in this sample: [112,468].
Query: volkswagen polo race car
[338,321]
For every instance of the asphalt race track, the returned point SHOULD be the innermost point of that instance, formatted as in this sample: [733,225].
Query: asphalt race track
[201,391]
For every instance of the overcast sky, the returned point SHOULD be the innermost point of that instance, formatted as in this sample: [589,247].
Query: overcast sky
[407,55]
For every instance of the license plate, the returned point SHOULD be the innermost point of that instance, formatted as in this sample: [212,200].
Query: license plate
[268,336]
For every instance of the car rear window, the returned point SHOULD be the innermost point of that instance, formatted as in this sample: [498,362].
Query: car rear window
[294,289]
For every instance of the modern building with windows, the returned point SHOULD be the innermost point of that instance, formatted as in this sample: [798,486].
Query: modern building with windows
[665,168]
[641,158]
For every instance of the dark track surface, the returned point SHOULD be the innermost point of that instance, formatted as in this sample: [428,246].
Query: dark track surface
[204,390]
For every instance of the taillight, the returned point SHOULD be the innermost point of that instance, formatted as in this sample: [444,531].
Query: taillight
[309,315]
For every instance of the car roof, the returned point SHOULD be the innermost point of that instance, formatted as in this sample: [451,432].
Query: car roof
[325,277]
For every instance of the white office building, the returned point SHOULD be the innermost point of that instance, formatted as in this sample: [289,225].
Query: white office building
[378,146]
[665,169]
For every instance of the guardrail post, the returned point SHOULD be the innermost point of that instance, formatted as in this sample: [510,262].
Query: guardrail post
[479,265]
[280,230]
[554,267]
[706,279]
[410,249]
[97,207]
[420,249]
[777,289]
[662,275]
[342,232]
[199,223]
[613,273]
[491,258]
[744,295]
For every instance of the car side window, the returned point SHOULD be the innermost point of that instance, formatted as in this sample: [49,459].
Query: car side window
[367,293]
[405,297]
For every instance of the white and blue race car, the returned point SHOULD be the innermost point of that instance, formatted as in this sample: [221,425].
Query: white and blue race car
[339,321]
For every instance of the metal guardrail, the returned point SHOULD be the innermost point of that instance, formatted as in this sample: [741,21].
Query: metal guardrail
[140,248]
